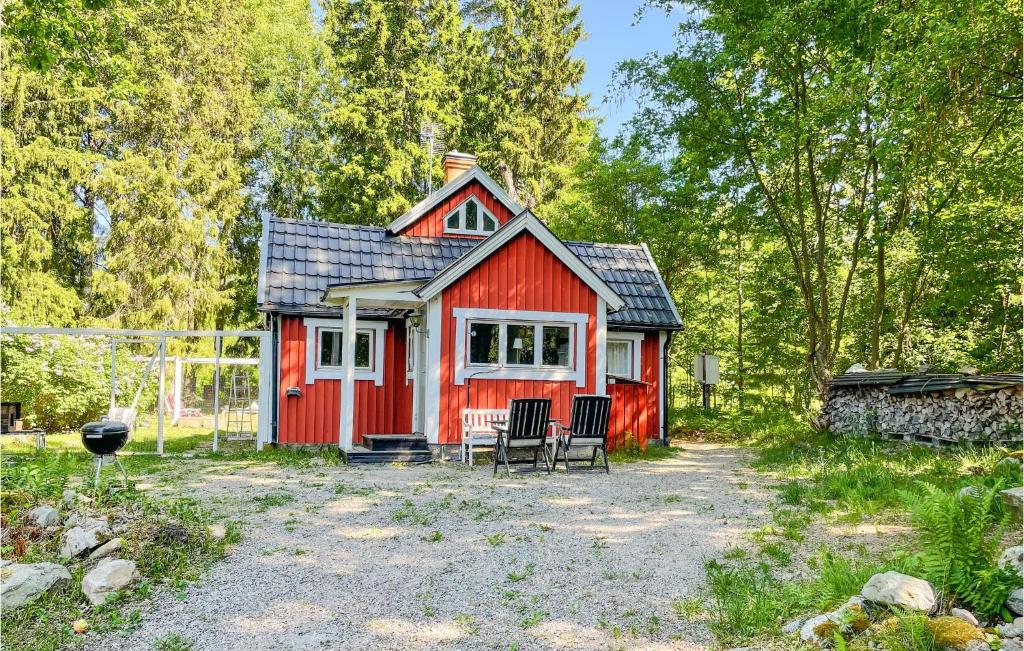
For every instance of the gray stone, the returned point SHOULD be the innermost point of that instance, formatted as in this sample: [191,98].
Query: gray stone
[965,615]
[807,633]
[977,645]
[972,491]
[1015,602]
[69,496]
[1012,644]
[792,627]
[1014,498]
[44,515]
[1010,462]
[1013,559]
[895,589]
[80,539]
[1011,630]
[85,521]
[106,549]
[22,583]
[107,578]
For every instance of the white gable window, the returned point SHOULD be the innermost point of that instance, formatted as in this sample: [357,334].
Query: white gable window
[624,355]
[470,218]
[325,350]
[520,345]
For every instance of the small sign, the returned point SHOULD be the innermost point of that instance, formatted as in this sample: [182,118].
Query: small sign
[705,368]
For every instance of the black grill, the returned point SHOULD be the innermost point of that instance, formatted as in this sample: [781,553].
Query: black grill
[104,437]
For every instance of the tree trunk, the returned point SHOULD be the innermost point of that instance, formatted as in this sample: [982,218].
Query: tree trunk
[878,306]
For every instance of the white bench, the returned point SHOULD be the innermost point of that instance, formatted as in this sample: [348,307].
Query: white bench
[477,430]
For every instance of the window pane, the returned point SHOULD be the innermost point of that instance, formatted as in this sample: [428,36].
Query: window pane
[555,345]
[471,223]
[362,350]
[453,220]
[489,224]
[483,343]
[519,344]
[620,358]
[330,348]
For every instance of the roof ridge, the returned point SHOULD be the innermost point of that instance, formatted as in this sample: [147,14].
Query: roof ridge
[608,244]
[320,222]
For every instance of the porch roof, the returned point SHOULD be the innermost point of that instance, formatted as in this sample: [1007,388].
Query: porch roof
[304,258]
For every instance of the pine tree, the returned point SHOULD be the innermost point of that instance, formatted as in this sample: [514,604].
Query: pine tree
[390,72]
[525,116]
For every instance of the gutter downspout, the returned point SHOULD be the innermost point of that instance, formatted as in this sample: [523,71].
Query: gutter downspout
[664,389]
[275,346]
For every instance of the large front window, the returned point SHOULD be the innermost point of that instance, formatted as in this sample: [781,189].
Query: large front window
[531,345]
[493,344]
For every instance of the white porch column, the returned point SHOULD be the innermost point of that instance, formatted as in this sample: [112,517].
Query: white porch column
[348,381]
[601,372]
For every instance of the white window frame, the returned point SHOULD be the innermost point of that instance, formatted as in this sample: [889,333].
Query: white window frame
[411,339]
[576,322]
[461,210]
[636,340]
[314,372]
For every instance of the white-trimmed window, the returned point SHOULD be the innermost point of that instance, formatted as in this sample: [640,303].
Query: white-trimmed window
[325,350]
[623,355]
[524,345]
[471,217]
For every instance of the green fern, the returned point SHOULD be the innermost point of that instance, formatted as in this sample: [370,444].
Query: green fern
[962,538]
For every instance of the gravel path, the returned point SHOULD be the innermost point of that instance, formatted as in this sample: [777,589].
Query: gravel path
[447,557]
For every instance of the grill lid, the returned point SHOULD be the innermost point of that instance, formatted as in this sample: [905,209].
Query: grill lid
[103,428]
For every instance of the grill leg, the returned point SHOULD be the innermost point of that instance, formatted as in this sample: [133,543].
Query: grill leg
[96,479]
[124,474]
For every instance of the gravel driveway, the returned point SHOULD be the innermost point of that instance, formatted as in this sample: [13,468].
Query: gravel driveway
[447,557]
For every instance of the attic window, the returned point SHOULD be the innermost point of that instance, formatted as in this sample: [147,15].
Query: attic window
[470,218]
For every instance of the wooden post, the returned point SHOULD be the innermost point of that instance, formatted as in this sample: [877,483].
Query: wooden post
[216,392]
[348,364]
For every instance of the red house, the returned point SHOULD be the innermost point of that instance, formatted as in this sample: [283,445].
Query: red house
[465,301]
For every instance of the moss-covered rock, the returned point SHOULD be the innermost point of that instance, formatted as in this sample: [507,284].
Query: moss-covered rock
[953,632]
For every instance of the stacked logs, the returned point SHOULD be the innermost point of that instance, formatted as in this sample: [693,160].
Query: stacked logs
[962,415]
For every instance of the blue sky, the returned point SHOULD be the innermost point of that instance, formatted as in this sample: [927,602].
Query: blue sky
[613,37]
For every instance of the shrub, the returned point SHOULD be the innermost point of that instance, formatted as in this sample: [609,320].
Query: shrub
[963,536]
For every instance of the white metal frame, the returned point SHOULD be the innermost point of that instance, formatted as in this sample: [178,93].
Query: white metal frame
[576,320]
[264,395]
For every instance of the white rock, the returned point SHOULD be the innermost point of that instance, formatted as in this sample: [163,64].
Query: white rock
[895,589]
[80,539]
[792,627]
[106,578]
[965,615]
[807,633]
[106,549]
[44,515]
[69,496]
[977,645]
[1013,559]
[217,531]
[21,583]
[85,521]
[1015,602]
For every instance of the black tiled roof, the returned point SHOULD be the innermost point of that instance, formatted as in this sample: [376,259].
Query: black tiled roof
[305,257]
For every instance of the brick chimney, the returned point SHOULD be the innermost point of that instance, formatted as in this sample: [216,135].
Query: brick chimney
[455,163]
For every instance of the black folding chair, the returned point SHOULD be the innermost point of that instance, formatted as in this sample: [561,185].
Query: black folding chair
[588,428]
[526,431]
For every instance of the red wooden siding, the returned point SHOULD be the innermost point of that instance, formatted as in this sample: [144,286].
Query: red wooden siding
[635,406]
[313,417]
[432,223]
[522,275]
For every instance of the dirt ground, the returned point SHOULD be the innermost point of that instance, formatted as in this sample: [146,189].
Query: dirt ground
[447,557]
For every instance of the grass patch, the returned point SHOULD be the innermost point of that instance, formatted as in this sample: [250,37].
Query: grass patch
[632,451]
[747,602]
[168,540]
